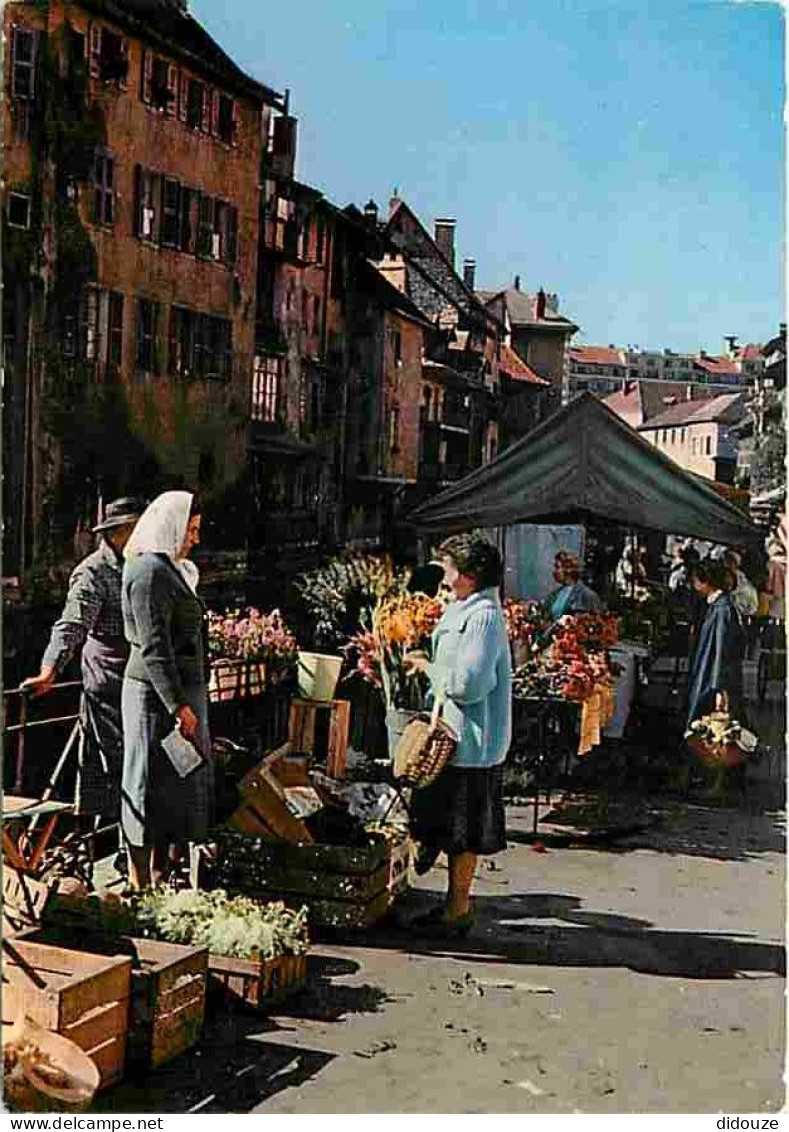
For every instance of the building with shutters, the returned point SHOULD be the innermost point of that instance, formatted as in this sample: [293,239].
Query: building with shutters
[134,149]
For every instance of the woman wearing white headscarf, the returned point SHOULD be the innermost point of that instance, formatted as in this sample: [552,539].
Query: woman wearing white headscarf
[164,685]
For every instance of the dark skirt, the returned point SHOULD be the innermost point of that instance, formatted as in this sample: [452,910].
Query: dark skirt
[462,811]
[157,805]
[100,763]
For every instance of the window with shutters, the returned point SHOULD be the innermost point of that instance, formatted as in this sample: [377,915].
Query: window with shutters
[147,327]
[181,360]
[23,54]
[186,232]
[109,58]
[266,389]
[114,331]
[103,189]
[18,211]
[171,213]
[219,236]
[89,330]
[195,93]
[213,347]
[226,120]
[160,91]
[205,227]
[148,203]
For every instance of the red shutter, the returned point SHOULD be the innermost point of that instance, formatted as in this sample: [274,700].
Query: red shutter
[94,50]
[147,74]
[172,90]
[236,123]
[214,113]
[206,125]
[183,95]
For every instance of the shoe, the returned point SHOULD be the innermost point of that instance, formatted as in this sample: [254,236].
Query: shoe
[437,925]
[426,857]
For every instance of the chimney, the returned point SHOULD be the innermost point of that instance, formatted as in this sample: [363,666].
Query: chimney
[445,237]
[371,214]
[517,283]
[469,269]
[540,310]
[394,202]
[731,343]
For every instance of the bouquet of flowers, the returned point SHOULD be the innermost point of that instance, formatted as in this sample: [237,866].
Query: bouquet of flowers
[527,623]
[233,926]
[400,625]
[719,740]
[252,636]
[344,593]
[574,664]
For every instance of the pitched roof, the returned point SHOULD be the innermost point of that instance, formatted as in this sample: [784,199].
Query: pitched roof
[698,412]
[391,297]
[521,308]
[714,365]
[515,367]
[596,355]
[644,400]
[168,23]
[751,352]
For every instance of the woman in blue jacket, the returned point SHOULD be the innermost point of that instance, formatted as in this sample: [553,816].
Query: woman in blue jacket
[462,812]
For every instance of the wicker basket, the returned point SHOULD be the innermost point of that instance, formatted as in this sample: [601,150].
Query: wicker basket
[425,747]
[717,754]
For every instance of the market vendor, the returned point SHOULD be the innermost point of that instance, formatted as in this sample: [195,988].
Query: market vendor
[462,812]
[716,661]
[92,622]
[572,596]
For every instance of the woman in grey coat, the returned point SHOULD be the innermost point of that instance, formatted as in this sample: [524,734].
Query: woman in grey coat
[164,687]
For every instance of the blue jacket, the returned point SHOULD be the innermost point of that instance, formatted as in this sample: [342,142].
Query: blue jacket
[472,666]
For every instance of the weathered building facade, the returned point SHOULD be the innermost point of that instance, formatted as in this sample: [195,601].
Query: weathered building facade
[133,154]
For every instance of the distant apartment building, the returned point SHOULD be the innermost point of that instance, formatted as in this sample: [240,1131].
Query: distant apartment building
[604,369]
[700,436]
[133,150]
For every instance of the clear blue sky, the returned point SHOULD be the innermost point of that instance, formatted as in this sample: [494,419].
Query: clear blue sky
[628,155]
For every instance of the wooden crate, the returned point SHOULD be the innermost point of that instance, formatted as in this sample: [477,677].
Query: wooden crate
[168,986]
[258,983]
[168,1000]
[235,680]
[342,886]
[83,997]
[302,725]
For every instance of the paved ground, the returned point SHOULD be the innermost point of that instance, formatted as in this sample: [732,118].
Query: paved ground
[647,977]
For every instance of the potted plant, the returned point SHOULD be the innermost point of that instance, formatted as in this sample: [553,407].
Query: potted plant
[250,651]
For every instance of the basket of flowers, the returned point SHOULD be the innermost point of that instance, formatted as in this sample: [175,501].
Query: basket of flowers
[250,651]
[717,740]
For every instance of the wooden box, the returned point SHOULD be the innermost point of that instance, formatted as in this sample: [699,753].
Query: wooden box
[258,983]
[168,1000]
[83,997]
[168,987]
[342,886]
[235,680]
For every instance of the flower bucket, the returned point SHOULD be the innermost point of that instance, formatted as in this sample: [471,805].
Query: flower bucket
[318,675]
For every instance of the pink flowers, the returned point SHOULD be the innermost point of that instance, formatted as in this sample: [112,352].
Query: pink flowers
[255,636]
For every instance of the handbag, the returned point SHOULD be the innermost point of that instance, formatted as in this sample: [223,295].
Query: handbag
[425,747]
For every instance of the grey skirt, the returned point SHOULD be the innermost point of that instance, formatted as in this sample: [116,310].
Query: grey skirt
[157,805]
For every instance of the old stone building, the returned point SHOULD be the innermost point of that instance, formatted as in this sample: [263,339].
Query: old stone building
[133,150]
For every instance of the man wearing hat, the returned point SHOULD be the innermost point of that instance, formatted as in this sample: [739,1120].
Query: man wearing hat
[92,621]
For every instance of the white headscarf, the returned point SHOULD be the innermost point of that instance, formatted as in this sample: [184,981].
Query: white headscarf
[161,529]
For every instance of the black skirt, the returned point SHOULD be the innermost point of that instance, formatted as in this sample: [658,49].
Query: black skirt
[462,811]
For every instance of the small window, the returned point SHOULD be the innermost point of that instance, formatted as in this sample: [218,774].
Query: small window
[18,210]
[693,446]
[181,359]
[394,429]
[205,227]
[186,231]
[226,124]
[114,331]
[266,389]
[194,104]
[104,193]
[397,347]
[24,61]
[148,203]
[111,59]
[709,446]
[147,345]
[673,436]
[160,92]
[171,213]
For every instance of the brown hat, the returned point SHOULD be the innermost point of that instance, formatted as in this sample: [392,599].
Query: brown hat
[121,511]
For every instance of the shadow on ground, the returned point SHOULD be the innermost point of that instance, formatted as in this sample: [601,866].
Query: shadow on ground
[505,933]
[235,1068]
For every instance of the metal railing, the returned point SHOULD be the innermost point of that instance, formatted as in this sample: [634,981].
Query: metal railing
[23,725]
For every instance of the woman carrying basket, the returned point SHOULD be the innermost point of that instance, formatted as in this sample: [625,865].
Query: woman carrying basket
[462,812]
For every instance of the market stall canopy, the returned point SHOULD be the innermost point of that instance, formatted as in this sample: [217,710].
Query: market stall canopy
[585,462]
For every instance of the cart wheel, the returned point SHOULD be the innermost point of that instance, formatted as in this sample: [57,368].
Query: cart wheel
[762,675]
